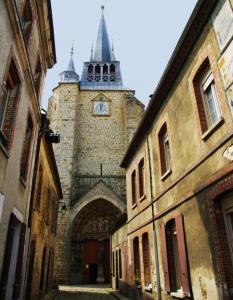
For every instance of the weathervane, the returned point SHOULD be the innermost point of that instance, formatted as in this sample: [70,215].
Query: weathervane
[72,49]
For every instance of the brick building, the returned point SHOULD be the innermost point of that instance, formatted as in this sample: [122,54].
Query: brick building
[27,51]
[96,116]
[178,238]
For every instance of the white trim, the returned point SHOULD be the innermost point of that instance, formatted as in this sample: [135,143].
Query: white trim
[1,204]
[18,214]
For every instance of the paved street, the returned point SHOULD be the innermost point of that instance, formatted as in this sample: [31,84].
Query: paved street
[85,292]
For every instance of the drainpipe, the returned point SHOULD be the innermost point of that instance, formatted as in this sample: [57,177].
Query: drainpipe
[154,227]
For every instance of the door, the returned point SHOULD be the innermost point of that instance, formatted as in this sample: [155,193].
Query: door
[90,260]
[227,209]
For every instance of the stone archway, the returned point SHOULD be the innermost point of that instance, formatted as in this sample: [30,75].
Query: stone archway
[90,241]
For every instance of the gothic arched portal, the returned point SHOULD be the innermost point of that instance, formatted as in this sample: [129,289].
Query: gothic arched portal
[90,244]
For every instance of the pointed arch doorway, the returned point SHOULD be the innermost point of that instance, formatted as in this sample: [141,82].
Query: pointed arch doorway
[90,242]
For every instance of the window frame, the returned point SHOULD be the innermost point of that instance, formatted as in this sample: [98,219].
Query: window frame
[13,79]
[133,180]
[165,152]
[141,179]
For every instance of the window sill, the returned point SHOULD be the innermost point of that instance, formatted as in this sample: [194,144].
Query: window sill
[23,181]
[166,174]
[142,198]
[134,205]
[212,129]
[148,288]
[178,294]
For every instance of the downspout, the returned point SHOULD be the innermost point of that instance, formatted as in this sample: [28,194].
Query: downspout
[154,227]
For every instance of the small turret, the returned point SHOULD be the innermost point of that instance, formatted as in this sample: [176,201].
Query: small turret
[70,74]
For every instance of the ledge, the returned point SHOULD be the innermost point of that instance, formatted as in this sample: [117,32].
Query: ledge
[212,129]
[134,205]
[166,174]
[142,198]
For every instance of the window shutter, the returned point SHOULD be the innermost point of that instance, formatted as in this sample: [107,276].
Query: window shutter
[165,258]
[18,274]
[182,255]
[7,256]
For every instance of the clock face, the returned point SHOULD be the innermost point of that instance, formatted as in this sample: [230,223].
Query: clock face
[101,108]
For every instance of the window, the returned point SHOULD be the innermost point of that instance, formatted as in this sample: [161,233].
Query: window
[39,180]
[120,264]
[146,259]
[136,257]
[133,187]
[27,21]
[174,258]
[37,77]
[164,148]
[112,73]
[141,178]
[26,149]
[206,97]
[113,264]
[8,104]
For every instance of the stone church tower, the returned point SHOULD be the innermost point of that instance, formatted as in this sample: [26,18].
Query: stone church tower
[96,116]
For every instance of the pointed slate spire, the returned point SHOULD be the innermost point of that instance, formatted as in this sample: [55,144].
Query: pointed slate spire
[102,48]
[70,74]
[71,67]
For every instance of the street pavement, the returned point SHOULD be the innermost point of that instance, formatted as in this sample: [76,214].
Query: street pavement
[85,292]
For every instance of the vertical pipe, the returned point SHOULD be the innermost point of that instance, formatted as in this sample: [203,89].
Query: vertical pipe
[154,227]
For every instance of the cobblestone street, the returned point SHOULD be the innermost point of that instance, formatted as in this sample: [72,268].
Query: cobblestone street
[83,293]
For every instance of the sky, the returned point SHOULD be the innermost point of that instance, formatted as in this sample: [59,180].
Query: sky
[144,34]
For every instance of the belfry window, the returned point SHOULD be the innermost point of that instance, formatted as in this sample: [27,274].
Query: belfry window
[105,73]
[97,73]
[112,73]
[90,73]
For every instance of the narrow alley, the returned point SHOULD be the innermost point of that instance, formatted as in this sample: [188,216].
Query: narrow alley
[85,292]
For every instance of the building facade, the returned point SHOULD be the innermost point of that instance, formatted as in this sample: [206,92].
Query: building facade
[178,238]
[45,198]
[96,116]
[27,51]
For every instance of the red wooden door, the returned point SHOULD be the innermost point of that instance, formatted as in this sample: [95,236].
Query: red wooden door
[90,256]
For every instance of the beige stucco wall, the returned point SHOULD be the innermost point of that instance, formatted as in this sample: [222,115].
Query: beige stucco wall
[194,161]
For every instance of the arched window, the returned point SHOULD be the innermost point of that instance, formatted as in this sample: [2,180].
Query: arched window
[146,259]
[105,73]
[206,97]
[27,21]
[97,73]
[112,73]
[90,73]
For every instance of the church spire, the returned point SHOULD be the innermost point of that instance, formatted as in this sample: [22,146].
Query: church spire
[70,75]
[102,48]
[71,67]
